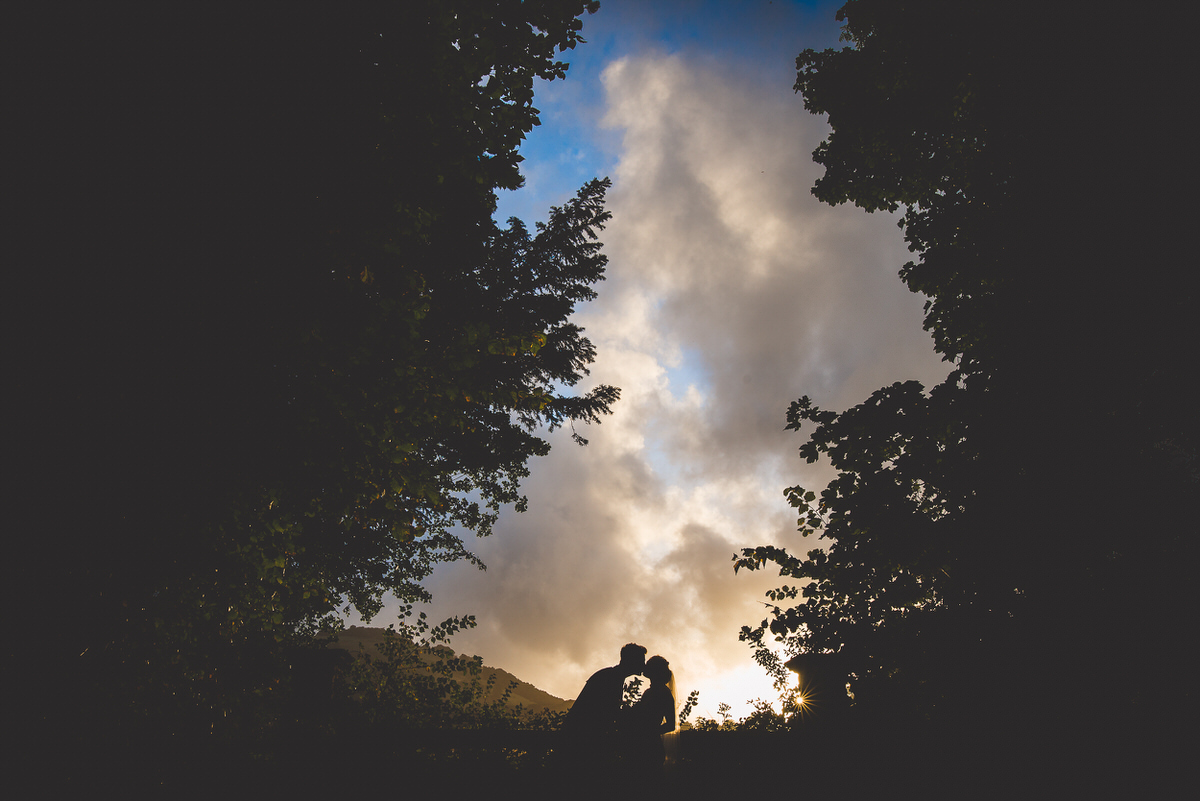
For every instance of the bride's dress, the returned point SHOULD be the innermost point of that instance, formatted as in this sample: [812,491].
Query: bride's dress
[647,717]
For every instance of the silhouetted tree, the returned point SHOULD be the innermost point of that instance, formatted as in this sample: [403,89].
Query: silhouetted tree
[1017,540]
[276,356]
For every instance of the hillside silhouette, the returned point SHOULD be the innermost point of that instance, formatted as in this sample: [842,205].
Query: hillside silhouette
[356,638]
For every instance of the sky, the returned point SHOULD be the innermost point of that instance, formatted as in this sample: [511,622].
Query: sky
[730,293]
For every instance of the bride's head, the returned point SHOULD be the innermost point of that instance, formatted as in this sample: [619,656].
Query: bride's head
[658,670]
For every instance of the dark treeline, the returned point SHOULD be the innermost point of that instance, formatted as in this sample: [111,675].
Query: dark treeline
[1009,555]
[270,351]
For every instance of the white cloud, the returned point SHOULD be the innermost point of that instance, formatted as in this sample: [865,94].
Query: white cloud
[718,253]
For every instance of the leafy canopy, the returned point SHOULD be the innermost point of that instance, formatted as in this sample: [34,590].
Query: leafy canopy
[291,352]
[1023,518]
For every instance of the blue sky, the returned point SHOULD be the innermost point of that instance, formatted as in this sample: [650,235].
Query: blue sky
[730,292]
[570,146]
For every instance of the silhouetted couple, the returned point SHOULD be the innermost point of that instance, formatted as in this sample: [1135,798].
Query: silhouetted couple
[601,738]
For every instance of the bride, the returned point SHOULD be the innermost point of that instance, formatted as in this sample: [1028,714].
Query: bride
[652,717]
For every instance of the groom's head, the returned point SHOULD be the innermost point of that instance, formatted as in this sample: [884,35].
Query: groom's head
[633,659]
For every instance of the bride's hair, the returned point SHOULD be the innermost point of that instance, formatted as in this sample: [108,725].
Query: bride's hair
[656,665]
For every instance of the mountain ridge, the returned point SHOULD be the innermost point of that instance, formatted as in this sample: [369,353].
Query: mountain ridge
[524,694]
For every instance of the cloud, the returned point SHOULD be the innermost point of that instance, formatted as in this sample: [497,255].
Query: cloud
[731,292]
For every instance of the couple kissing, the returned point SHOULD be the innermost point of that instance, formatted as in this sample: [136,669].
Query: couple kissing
[601,735]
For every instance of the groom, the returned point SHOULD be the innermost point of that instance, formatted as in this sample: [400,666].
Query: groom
[591,724]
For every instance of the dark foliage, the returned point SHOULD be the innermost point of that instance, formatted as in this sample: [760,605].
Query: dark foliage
[1016,543]
[274,354]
